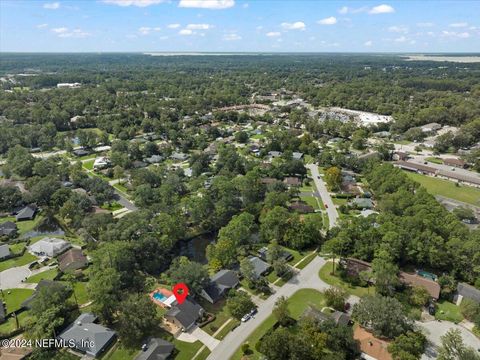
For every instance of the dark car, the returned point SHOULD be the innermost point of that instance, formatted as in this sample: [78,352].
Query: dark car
[431,309]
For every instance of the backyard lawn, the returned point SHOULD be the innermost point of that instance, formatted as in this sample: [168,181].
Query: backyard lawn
[13,298]
[297,304]
[88,164]
[10,325]
[186,351]
[434,160]
[447,188]
[325,275]
[119,352]
[45,275]
[448,311]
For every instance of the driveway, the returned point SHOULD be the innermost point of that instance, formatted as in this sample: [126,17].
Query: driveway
[434,330]
[12,278]
[324,194]
[208,340]
[306,278]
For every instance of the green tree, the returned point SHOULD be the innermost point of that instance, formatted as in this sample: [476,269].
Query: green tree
[333,178]
[137,318]
[105,290]
[385,316]
[281,311]
[238,304]
[335,298]
[408,346]
[453,347]
[193,274]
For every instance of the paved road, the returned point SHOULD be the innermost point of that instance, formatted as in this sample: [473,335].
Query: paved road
[13,278]
[433,330]
[306,278]
[420,159]
[324,194]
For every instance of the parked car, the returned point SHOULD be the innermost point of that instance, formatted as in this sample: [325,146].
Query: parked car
[245,318]
[252,312]
[431,309]
[326,206]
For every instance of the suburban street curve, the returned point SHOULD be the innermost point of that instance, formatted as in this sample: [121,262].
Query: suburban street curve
[324,194]
[306,278]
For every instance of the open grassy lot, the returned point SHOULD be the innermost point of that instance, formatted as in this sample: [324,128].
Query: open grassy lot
[448,189]
[17,248]
[81,293]
[45,275]
[88,165]
[339,201]
[310,200]
[13,298]
[297,303]
[434,160]
[325,275]
[25,259]
[448,311]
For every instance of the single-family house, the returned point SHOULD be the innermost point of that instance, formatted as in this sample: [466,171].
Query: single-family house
[362,203]
[220,284]
[419,168]
[292,181]
[27,213]
[431,127]
[101,162]
[466,291]
[284,255]
[72,260]
[49,247]
[297,155]
[260,267]
[370,346]
[8,228]
[154,159]
[338,317]
[80,152]
[90,338]
[400,155]
[4,252]
[137,164]
[179,156]
[431,286]
[301,207]
[273,155]
[184,315]
[156,349]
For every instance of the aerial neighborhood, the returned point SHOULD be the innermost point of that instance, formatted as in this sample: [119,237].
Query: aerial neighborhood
[314,208]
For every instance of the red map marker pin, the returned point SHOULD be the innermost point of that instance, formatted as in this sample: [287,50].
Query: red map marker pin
[180,291]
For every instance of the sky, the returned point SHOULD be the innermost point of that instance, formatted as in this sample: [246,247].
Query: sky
[239,26]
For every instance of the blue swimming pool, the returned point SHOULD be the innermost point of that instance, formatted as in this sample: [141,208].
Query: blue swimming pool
[159,296]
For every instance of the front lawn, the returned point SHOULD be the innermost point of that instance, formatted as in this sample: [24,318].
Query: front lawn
[448,311]
[112,206]
[297,304]
[306,260]
[88,165]
[186,351]
[44,275]
[118,352]
[226,330]
[25,259]
[325,275]
[310,200]
[14,298]
[221,315]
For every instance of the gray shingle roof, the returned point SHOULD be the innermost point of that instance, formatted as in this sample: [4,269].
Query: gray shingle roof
[7,228]
[28,212]
[259,266]
[468,292]
[4,251]
[186,313]
[86,333]
[156,349]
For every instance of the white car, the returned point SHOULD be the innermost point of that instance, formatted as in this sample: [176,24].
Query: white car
[245,318]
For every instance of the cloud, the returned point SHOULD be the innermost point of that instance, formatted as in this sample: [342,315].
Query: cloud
[199,26]
[207,4]
[185,32]
[425,24]
[401,39]
[60,30]
[138,3]
[298,25]
[232,37]
[348,10]
[273,34]
[145,30]
[64,32]
[459,25]
[51,6]
[42,26]
[332,20]
[173,26]
[368,43]
[399,29]
[381,9]
[461,35]
[343,10]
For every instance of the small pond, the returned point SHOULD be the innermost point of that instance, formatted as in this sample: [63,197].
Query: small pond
[195,248]
[49,226]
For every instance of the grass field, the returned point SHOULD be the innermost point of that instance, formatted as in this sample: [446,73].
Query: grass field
[88,164]
[226,330]
[221,315]
[325,275]
[447,188]
[448,311]
[434,160]
[45,275]
[297,304]
[13,298]
[25,259]
[119,352]
[186,351]
[10,325]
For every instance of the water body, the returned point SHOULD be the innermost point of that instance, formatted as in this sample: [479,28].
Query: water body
[47,227]
[195,248]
